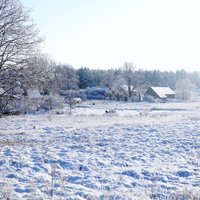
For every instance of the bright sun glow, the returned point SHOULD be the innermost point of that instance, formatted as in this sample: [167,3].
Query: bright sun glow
[153,34]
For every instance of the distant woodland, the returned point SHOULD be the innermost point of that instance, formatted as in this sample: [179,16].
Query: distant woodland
[23,67]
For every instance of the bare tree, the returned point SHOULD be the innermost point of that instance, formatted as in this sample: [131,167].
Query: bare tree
[128,71]
[134,81]
[184,89]
[65,78]
[19,40]
[40,74]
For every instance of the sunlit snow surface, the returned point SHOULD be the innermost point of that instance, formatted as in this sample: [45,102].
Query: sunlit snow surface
[138,151]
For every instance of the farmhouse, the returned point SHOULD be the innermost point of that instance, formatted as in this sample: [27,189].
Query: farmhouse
[5,95]
[34,94]
[1,91]
[161,93]
[76,100]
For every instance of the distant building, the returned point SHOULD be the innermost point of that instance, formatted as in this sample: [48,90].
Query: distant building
[5,95]
[125,88]
[34,94]
[76,100]
[2,91]
[161,93]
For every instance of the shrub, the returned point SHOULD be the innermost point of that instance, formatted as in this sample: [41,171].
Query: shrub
[51,102]
[97,93]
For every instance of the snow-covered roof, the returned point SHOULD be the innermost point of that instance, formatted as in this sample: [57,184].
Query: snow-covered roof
[163,91]
[125,87]
[2,91]
[34,94]
[77,99]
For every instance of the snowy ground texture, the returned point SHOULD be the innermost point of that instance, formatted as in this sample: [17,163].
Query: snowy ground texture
[137,151]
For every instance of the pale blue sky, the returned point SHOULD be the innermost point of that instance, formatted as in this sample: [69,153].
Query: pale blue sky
[153,34]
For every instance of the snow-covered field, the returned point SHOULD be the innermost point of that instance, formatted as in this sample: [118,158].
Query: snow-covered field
[137,151]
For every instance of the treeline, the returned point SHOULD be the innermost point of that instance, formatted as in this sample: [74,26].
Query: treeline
[68,78]
[24,68]
[105,78]
[48,77]
[126,81]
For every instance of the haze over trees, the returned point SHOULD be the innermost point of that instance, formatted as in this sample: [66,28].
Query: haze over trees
[184,89]
[23,67]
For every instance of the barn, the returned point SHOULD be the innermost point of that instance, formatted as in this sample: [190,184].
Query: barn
[161,93]
[5,95]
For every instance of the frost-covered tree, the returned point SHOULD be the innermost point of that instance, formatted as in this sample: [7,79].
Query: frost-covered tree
[42,69]
[86,78]
[65,78]
[19,40]
[134,80]
[184,89]
[128,74]
[195,78]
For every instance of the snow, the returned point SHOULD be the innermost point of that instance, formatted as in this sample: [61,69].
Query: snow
[2,91]
[163,91]
[34,94]
[125,88]
[140,151]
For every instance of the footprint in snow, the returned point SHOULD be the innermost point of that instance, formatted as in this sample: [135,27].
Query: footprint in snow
[132,174]
[183,173]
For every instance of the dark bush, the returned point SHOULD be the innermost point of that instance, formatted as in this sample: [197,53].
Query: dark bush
[97,93]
